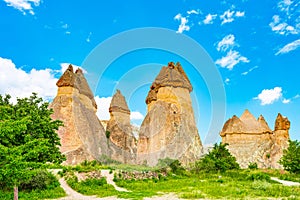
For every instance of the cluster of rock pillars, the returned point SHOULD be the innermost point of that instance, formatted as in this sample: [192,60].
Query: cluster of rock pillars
[168,130]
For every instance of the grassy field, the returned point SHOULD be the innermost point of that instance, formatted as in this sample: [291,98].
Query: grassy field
[236,184]
[34,195]
[239,184]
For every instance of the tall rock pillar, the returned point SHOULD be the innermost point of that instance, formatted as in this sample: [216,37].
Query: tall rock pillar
[82,136]
[122,143]
[169,129]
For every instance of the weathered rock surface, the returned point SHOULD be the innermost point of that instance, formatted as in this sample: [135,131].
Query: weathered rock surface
[252,140]
[122,143]
[82,136]
[169,128]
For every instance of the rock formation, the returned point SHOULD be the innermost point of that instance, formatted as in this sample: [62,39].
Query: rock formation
[252,141]
[122,143]
[169,128]
[82,136]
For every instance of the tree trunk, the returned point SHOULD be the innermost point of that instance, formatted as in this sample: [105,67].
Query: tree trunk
[16,196]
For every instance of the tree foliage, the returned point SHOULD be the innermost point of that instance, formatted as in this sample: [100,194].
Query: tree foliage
[28,138]
[291,157]
[218,159]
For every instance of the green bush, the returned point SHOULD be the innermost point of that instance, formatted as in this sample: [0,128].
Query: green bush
[218,159]
[40,180]
[291,157]
[252,165]
[258,177]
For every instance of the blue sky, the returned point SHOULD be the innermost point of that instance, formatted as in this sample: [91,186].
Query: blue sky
[255,46]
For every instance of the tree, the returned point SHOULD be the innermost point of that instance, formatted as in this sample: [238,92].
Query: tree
[218,159]
[291,157]
[28,138]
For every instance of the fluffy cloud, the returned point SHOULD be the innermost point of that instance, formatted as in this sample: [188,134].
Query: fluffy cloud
[103,104]
[231,59]
[281,27]
[228,16]
[103,109]
[135,115]
[289,47]
[286,21]
[269,96]
[192,12]
[23,5]
[226,43]
[209,19]
[19,83]
[183,23]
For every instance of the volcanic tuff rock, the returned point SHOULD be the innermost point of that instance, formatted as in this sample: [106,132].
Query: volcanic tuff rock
[122,143]
[252,140]
[82,136]
[169,128]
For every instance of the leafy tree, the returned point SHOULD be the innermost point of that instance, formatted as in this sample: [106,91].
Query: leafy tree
[28,139]
[291,157]
[218,159]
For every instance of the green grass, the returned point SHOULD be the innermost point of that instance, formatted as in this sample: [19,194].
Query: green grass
[53,193]
[239,184]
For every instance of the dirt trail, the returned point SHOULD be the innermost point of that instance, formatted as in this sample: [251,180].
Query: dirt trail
[285,183]
[110,180]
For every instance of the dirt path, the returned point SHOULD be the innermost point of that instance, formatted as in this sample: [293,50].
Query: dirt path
[285,183]
[110,180]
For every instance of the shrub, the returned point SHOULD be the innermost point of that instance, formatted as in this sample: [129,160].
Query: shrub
[40,180]
[291,157]
[218,159]
[258,177]
[252,165]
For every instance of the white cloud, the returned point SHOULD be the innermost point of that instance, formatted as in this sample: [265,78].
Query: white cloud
[226,43]
[250,70]
[280,26]
[183,23]
[240,14]
[19,83]
[64,67]
[209,19]
[289,47]
[23,5]
[286,101]
[88,39]
[227,80]
[192,12]
[103,104]
[231,59]
[135,115]
[103,109]
[228,16]
[269,96]
[286,21]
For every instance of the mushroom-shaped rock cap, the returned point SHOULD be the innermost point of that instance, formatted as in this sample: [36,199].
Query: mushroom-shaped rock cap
[67,79]
[245,124]
[172,76]
[282,123]
[118,103]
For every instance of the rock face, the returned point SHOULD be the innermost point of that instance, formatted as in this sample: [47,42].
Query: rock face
[252,141]
[122,143]
[82,136]
[169,128]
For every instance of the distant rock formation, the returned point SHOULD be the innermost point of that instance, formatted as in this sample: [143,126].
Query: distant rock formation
[252,141]
[122,143]
[169,128]
[82,136]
